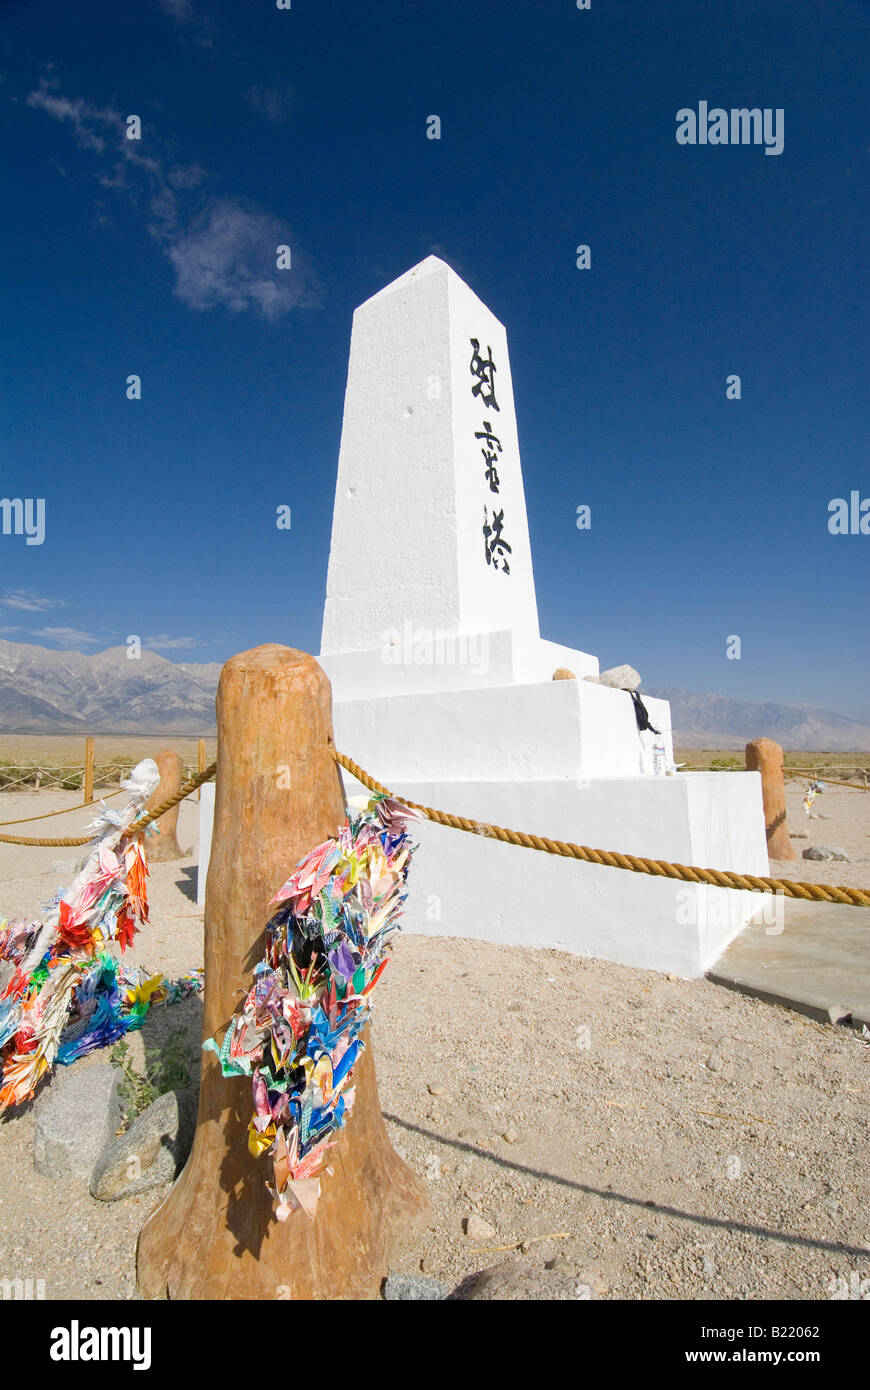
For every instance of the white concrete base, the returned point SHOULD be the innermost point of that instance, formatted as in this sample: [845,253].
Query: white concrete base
[473,886]
[413,660]
[553,731]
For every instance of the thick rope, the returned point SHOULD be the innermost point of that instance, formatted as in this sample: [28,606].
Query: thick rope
[135,827]
[658,868]
[64,810]
[613,859]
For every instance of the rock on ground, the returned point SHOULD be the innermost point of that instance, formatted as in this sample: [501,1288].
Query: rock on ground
[405,1288]
[512,1281]
[152,1150]
[76,1117]
[478,1229]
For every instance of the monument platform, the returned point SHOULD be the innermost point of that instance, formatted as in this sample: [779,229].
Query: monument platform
[473,886]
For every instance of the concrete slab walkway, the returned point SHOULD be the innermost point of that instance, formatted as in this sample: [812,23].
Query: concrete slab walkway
[819,961]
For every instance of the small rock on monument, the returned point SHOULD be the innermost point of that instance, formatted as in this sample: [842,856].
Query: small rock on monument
[618,678]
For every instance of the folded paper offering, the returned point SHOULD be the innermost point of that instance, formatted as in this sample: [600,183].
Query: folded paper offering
[63,989]
[298,1032]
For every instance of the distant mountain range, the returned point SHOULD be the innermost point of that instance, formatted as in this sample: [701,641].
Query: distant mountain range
[715,721]
[43,691]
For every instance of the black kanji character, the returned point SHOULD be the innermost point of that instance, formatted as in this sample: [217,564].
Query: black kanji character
[484,369]
[489,454]
[496,546]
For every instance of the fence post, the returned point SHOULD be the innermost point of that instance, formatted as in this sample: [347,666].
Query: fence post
[89,771]
[201,763]
[163,847]
[765,756]
[278,794]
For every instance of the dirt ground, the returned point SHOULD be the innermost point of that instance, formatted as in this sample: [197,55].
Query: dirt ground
[839,817]
[660,1138]
[69,749]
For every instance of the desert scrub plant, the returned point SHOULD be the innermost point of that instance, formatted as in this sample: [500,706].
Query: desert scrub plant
[136,1092]
[167,1068]
[170,1063]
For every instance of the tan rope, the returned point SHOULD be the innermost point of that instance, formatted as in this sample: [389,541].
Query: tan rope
[64,810]
[658,868]
[136,827]
[184,790]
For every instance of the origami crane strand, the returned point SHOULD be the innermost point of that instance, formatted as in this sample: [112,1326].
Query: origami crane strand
[337,913]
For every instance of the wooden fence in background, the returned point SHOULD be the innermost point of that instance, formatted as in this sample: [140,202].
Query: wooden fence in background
[88,776]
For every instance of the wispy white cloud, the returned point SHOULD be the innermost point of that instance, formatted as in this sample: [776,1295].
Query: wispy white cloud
[186,175]
[229,257]
[223,251]
[90,124]
[29,601]
[273,103]
[10,629]
[64,635]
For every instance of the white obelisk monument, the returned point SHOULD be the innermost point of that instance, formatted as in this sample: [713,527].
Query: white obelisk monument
[443,686]
[429,478]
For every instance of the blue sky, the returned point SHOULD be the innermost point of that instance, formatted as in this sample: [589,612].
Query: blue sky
[308,127]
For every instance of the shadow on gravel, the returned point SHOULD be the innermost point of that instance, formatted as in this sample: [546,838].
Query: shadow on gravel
[186,882]
[607,1194]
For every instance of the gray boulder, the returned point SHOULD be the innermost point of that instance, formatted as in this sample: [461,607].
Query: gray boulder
[76,1117]
[406,1288]
[152,1151]
[512,1282]
[826,852]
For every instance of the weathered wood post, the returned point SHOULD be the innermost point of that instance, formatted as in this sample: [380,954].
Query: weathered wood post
[159,849]
[89,771]
[765,756]
[278,795]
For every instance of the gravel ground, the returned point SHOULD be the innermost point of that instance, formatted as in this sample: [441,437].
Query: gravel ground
[839,817]
[658,1138]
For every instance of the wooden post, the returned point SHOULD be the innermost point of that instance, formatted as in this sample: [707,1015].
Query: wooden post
[163,847]
[278,795]
[201,763]
[765,756]
[89,771]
